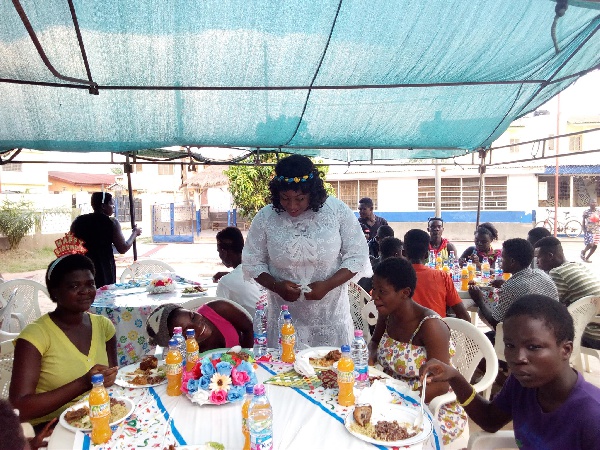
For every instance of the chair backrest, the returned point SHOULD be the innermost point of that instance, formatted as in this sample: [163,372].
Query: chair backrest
[7,352]
[583,312]
[469,343]
[143,267]
[358,298]
[369,316]
[20,303]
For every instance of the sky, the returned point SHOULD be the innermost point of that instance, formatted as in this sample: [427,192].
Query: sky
[581,98]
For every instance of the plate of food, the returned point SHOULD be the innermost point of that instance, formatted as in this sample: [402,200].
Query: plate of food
[76,418]
[392,427]
[147,373]
[193,291]
[321,357]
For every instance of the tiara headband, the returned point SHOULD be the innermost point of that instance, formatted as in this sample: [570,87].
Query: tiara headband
[295,179]
[103,195]
[65,246]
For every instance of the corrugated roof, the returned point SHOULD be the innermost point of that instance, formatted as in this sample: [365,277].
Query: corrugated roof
[573,170]
[82,179]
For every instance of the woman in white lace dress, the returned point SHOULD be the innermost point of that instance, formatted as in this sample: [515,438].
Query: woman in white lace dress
[304,248]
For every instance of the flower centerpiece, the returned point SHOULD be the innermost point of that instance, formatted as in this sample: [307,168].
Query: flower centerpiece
[160,284]
[219,378]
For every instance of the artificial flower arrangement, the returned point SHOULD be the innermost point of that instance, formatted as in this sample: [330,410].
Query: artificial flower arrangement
[219,378]
[161,284]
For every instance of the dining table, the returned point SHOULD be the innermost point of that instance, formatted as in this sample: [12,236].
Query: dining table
[128,305]
[306,417]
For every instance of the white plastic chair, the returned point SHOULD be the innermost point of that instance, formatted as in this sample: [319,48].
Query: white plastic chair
[502,439]
[499,342]
[369,316]
[471,346]
[7,353]
[358,298]
[20,303]
[143,267]
[583,312]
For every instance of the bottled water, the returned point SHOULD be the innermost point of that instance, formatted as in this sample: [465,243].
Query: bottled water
[431,262]
[498,268]
[178,336]
[360,356]
[260,332]
[280,320]
[451,259]
[485,268]
[260,420]
[456,272]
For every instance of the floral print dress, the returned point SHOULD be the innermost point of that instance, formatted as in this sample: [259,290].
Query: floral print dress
[402,361]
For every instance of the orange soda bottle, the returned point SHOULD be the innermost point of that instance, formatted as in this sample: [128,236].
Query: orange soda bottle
[245,408]
[288,339]
[346,378]
[438,261]
[464,278]
[506,276]
[471,270]
[191,349]
[174,362]
[99,411]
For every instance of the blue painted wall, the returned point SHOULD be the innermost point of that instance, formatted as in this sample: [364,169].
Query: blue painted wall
[459,216]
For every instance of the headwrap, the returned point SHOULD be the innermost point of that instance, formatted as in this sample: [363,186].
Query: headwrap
[157,324]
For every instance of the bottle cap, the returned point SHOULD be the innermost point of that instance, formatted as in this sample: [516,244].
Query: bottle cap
[358,333]
[284,307]
[259,389]
[249,389]
[260,306]
[172,343]
[345,349]
[190,332]
[97,378]
[287,316]
[177,330]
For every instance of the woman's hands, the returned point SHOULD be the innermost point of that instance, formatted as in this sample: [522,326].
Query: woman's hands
[319,289]
[287,290]
[109,374]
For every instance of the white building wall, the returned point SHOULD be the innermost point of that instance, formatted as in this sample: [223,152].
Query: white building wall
[397,194]
[522,194]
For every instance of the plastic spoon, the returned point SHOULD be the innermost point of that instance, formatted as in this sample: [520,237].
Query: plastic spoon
[419,419]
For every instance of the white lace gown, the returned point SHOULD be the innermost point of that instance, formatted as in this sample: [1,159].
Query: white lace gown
[310,247]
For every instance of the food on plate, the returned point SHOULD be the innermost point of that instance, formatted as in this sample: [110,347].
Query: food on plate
[193,289]
[383,430]
[79,418]
[328,379]
[149,362]
[240,355]
[327,360]
[362,414]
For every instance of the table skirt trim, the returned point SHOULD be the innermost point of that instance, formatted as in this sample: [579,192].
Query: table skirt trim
[176,434]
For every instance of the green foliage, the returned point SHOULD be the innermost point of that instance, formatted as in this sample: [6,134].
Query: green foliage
[16,220]
[249,185]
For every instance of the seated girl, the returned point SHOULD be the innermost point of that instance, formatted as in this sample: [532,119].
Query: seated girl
[550,404]
[56,356]
[408,334]
[218,324]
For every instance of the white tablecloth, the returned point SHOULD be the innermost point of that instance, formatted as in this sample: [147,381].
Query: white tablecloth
[299,422]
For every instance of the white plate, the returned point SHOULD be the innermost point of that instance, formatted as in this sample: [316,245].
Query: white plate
[128,403]
[123,377]
[193,294]
[316,352]
[402,414]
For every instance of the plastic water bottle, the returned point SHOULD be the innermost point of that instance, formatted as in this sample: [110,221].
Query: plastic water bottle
[260,420]
[485,268]
[456,272]
[431,262]
[280,320]
[360,356]
[260,332]
[498,268]
[178,336]
[451,259]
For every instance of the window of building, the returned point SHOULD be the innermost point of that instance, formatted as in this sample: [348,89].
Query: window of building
[165,169]
[563,191]
[575,143]
[13,167]
[514,146]
[550,143]
[350,192]
[461,194]
[138,168]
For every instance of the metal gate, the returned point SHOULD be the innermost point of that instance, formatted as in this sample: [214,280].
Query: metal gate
[173,222]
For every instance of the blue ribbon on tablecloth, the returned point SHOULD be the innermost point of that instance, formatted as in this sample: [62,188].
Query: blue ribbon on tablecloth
[339,419]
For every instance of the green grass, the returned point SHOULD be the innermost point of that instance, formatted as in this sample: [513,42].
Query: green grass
[19,260]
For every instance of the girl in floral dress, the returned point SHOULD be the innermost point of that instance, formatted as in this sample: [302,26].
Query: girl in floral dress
[407,334]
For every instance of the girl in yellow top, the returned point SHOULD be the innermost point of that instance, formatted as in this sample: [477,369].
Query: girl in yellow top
[56,356]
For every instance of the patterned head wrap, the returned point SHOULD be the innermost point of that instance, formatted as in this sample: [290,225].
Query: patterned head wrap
[156,324]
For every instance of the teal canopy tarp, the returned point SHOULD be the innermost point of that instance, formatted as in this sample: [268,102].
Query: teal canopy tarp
[328,78]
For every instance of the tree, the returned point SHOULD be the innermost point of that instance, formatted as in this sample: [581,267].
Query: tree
[249,185]
[16,220]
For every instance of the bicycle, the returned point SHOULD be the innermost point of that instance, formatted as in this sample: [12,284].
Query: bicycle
[571,227]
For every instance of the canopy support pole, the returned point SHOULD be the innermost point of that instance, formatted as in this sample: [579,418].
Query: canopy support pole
[128,168]
[438,192]
[482,155]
